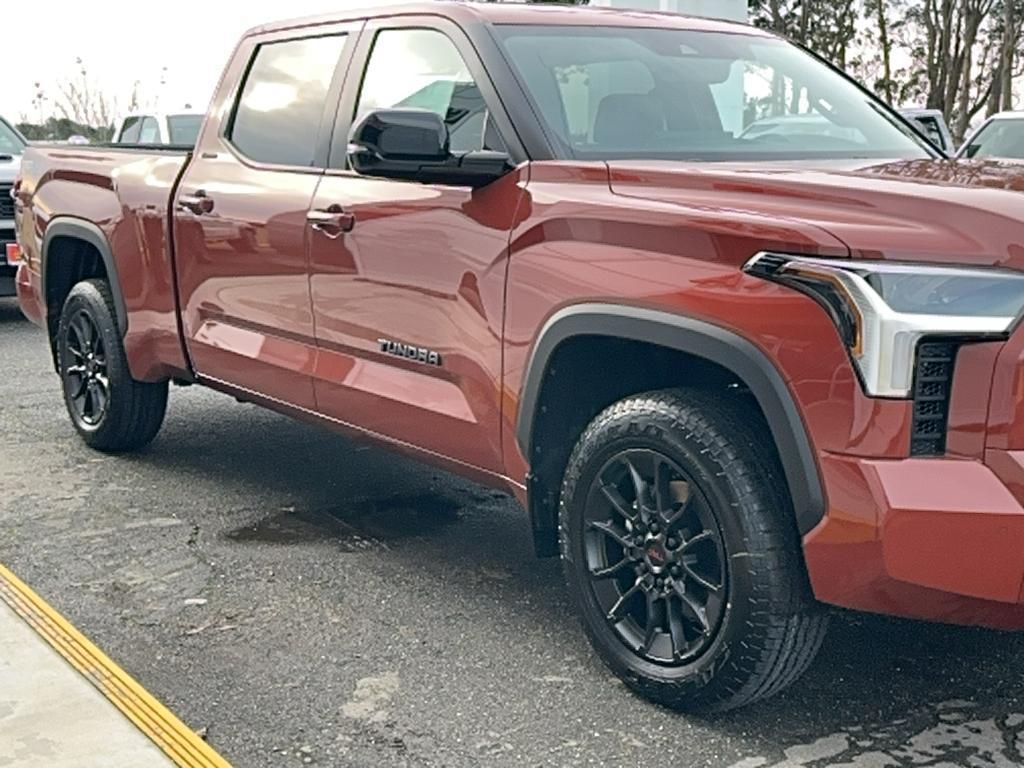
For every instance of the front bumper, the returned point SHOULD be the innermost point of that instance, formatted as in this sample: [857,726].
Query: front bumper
[935,539]
[939,538]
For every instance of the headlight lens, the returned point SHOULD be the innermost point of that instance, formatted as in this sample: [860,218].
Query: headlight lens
[882,309]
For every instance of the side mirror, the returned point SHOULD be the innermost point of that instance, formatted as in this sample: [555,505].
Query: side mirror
[413,145]
[399,136]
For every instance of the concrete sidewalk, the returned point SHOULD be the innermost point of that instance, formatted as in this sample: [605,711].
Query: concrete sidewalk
[51,715]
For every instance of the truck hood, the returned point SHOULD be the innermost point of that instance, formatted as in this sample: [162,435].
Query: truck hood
[9,168]
[939,211]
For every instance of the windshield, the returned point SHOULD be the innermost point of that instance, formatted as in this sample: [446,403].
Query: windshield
[625,92]
[184,129]
[1000,138]
[11,142]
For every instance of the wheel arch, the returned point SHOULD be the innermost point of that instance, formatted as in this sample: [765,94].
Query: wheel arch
[72,228]
[696,339]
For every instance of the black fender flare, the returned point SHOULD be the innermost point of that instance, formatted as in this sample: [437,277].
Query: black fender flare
[81,229]
[699,339]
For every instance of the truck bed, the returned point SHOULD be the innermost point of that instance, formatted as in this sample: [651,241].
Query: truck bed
[124,195]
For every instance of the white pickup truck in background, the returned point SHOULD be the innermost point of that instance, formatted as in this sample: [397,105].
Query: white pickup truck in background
[934,125]
[12,147]
[177,129]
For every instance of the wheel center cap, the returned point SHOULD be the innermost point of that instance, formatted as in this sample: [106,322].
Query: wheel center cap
[656,555]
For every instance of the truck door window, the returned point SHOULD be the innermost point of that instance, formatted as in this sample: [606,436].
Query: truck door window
[278,114]
[150,131]
[423,68]
[130,130]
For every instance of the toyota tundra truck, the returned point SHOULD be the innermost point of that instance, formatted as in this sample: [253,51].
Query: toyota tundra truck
[733,377]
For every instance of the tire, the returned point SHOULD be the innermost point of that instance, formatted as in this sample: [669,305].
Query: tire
[732,620]
[111,411]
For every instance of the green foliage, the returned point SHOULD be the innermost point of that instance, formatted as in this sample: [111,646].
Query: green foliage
[63,128]
[958,56]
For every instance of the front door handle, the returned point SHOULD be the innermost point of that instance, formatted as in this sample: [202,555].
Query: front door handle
[199,203]
[332,221]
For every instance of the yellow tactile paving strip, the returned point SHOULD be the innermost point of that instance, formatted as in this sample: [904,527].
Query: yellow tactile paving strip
[177,740]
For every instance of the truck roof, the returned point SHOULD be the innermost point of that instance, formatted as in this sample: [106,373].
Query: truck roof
[521,13]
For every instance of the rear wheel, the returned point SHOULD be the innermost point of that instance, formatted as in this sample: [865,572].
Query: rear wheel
[680,552]
[110,410]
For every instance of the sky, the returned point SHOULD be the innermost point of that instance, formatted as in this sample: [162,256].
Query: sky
[119,44]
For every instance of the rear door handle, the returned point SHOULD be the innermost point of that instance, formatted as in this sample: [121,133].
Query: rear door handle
[332,221]
[199,203]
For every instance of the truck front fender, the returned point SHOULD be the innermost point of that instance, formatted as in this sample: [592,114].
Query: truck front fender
[698,339]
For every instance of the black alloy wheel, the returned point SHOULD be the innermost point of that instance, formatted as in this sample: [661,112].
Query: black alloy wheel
[86,382]
[109,409]
[681,554]
[655,557]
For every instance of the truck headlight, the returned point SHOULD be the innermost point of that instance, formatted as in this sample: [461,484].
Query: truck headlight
[883,309]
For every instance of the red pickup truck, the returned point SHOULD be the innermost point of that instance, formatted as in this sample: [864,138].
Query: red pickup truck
[732,374]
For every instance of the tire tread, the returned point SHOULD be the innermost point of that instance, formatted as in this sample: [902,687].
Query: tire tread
[137,409]
[785,625]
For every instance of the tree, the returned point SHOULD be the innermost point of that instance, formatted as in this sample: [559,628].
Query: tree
[1010,32]
[975,12]
[80,101]
[878,13]
[61,129]
[954,48]
[827,27]
[958,56]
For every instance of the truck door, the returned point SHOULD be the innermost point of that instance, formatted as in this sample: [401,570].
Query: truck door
[240,220]
[408,282]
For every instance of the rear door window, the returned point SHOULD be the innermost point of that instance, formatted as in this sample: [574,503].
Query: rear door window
[184,129]
[130,130]
[150,131]
[278,114]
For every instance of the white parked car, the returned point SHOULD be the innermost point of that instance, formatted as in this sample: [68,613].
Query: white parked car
[12,147]
[1000,136]
[178,129]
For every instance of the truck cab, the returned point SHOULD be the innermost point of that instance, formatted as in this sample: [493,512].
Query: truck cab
[178,129]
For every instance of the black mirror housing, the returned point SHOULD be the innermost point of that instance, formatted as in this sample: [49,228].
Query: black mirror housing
[403,134]
[413,145]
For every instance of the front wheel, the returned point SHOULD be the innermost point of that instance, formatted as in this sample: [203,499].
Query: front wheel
[110,410]
[681,555]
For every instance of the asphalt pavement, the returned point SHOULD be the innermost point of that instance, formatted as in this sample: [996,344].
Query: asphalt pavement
[305,600]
